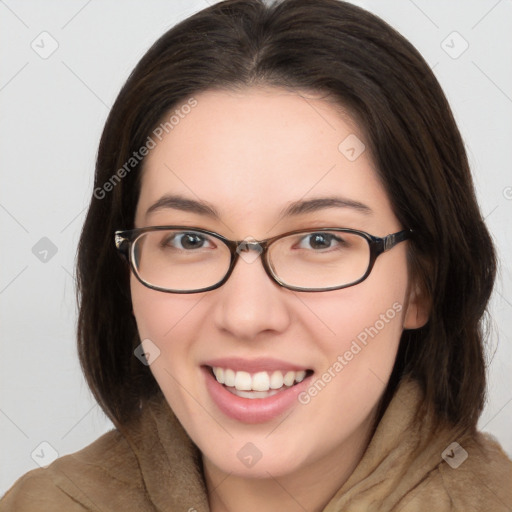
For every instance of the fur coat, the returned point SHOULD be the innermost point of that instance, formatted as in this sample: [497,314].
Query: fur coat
[154,465]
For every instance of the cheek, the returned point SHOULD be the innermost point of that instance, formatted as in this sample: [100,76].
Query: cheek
[358,332]
[354,314]
[158,313]
[358,358]
[166,325]
[166,328]
[371,310]
[368,348]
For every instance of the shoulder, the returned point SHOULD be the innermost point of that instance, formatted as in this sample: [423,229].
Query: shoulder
[102,476]
[475,474]
[415,464]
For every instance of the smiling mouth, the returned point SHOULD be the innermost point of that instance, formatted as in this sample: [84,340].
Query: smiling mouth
[257,385]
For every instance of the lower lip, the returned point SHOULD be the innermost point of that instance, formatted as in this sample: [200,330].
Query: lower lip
[252,410]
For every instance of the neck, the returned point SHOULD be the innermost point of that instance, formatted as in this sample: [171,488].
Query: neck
[309,487]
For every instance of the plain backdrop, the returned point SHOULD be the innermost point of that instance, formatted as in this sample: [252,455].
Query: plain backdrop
[62,64]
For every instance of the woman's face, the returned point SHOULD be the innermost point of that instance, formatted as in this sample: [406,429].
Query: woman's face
[248,156]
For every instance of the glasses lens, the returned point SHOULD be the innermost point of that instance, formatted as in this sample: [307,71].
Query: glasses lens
[180,260]
[320,259]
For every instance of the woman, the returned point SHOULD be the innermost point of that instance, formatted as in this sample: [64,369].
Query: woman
[282,277]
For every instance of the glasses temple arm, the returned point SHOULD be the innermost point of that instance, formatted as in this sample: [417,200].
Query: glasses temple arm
[393,239]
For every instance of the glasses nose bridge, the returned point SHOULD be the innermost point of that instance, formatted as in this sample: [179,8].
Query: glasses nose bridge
[250,242]
[250,250]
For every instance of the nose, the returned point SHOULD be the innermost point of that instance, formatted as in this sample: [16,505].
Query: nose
[250,302]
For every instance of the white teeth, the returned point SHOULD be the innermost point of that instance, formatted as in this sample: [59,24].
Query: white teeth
[258,382]
[299,376]
[243,381]
[219,374]
[253,394]
[229,378]
[276,380]
[289,378]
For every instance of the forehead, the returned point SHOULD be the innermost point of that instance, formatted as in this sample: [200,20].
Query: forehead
[254,151]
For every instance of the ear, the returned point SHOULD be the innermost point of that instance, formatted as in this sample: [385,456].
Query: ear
[417,307]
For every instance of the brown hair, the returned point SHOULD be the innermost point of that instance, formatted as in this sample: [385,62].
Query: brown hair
[368,68]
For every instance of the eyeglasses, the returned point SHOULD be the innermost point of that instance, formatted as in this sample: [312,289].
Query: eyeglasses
[182,259]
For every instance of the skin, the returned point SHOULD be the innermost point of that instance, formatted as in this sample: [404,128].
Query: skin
[249,154]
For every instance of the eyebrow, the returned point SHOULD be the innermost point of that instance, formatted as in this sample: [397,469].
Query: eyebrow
[321,203]
[296,208]
[182,203]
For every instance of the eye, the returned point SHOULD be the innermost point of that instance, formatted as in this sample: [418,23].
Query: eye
[320,241]
[188,241]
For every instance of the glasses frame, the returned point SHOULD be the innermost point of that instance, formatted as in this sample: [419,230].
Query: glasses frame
[125,240]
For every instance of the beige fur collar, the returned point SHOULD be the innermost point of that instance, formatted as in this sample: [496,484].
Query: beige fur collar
[153,465]
[401,469]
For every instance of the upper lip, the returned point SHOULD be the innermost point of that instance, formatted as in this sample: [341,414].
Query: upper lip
[254,365]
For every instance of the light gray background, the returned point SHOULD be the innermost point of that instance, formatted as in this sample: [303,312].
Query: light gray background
[52,113]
